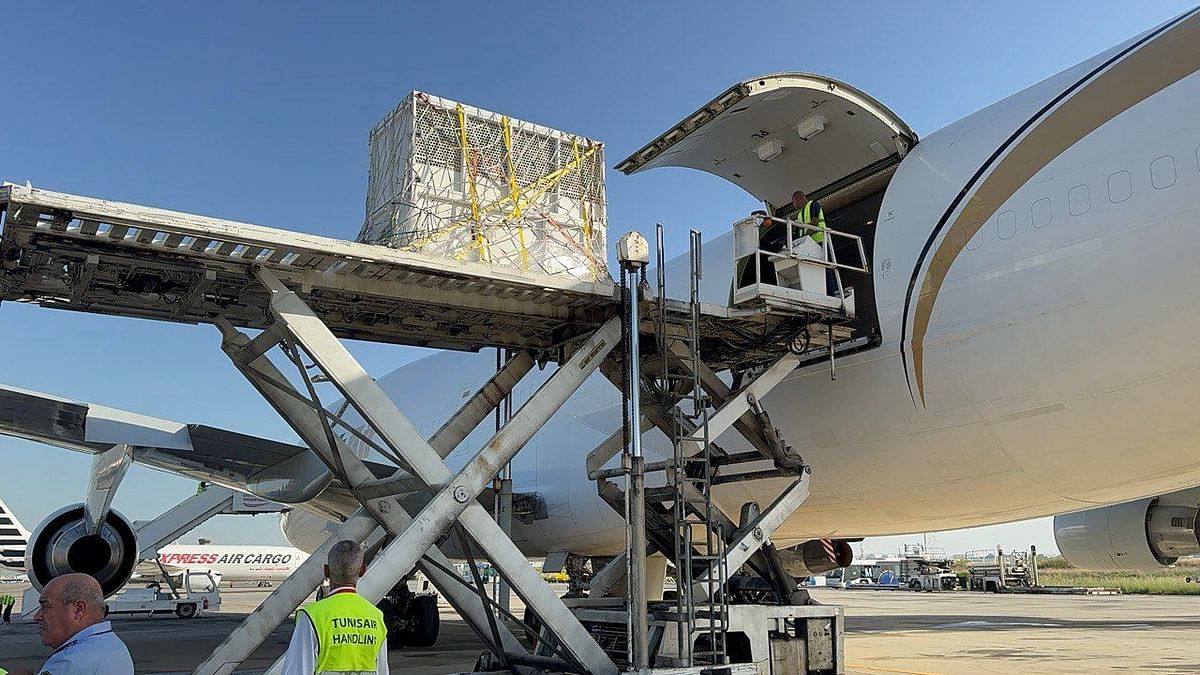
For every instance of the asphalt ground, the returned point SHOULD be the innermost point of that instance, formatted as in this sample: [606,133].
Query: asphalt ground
[886,632]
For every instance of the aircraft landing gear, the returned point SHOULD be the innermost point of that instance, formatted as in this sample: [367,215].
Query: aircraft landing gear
[412,620]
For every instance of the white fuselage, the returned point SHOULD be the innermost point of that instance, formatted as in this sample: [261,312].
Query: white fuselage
[1059,368]
[235,563]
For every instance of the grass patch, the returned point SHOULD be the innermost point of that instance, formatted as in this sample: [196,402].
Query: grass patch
[1170,581]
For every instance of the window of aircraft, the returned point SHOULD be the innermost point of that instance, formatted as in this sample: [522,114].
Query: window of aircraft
[1162,172]
[1079,200]
[1006,224]
[977,240]
[1120,187]
[1043,213]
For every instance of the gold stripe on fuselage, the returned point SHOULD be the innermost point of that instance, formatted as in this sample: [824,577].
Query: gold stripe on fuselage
[1144,72]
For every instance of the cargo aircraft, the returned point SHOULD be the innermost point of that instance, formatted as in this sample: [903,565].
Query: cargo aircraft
[1027,341]
[228,563]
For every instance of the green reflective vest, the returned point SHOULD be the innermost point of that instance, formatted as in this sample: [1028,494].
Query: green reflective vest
[806,218]
[5,601]
[350,633]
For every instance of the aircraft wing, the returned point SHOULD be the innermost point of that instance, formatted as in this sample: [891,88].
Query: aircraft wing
[276,471]
[280,472]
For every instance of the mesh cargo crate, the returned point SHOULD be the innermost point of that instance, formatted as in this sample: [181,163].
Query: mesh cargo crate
[452,180]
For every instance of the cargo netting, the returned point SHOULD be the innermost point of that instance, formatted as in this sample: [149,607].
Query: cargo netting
[455,181]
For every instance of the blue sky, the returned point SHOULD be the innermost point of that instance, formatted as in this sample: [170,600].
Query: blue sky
[260,111]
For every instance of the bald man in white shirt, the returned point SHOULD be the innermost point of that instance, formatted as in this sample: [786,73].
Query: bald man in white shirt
[70,619]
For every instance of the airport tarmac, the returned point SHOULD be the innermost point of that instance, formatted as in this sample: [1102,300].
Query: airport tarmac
[887,632]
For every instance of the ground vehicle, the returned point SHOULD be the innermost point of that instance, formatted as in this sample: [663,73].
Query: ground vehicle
[994,577]
[198,593]
[934,580]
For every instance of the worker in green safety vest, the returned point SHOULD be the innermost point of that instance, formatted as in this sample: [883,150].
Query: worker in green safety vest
[6,607]
[344,633]
[808,212]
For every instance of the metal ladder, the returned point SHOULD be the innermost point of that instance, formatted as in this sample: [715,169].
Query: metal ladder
[699,537]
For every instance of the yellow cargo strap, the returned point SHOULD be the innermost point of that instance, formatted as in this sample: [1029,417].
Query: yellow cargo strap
[587,216]
[469,168]
[506,126]
[466,150]
[531,194]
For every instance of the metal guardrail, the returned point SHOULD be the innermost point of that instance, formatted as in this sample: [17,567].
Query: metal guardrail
[794,233]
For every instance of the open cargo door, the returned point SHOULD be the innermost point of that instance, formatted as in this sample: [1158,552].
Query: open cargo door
[775,134]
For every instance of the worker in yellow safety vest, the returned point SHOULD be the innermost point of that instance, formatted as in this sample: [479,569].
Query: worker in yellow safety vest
[6,607]
[808,212]
[344,633]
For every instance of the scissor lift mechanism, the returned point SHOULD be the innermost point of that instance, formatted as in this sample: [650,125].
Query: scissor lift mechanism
[306,293]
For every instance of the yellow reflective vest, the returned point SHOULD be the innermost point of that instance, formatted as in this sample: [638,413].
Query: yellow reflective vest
[817,236]
[350,632]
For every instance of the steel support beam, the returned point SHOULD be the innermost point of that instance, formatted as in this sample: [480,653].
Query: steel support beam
[765,561]
[456,496]
[658,416]
[485,400]
[750,425]
[751,538]
[609,576]
[504,513]
[733,409]
[609,448]
[311,428]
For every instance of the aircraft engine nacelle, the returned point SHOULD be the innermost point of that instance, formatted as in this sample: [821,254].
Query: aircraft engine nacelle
[1143,534]
[812,558]
[61,545]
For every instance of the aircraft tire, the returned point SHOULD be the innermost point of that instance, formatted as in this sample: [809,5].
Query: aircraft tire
[426,622]
[395,636]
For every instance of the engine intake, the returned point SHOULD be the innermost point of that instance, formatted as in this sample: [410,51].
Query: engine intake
[61,545]
[812,557]
[1144,534]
